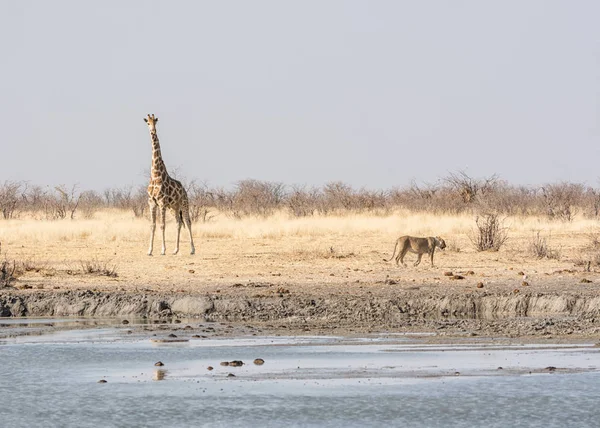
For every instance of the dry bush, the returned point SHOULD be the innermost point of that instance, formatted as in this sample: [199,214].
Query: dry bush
[452,245]
[8,269]
[539,248]
[322,253]
[201,202]
[97,267]
[302,202]
[470,189]
[11,198]
[490,233]
[561,200]
[254,197]
[458,193]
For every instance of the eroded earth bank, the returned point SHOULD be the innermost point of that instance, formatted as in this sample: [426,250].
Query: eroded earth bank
[450,313]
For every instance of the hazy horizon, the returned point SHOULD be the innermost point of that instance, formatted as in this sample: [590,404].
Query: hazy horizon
[373,94]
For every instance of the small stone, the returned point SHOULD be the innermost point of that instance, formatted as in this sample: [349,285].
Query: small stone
[516,290]
[585,281]
[177,321]
[525,284]
[551,368]
[470,272]
[230,375]
[224,363]
[102,381]
[456,373]
[159,364]
[500,368]
[480,285]
[457,277]
[259,361]
[124,322]
[236,363]
[209,368]
[172,335]
[521,273]
[448,273]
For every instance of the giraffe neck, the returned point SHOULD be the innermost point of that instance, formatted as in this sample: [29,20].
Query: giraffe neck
[158,169]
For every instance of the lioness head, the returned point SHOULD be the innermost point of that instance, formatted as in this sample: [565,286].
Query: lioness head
[441,242]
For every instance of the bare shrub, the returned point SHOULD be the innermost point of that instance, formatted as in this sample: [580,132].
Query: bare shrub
[97,267]
[490,233]
[539,248]
[127,198]
[11,198]
[90,203]
[336,196]
[452,245]
[302,202]
[468,188]
[561,200]
[63,202]
[8,270]
[201,200]
[592,202]
[254,197]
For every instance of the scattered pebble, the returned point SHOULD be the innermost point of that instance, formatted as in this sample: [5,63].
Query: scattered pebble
[259,361]
[480,285]
[102,381]
[230,375]
[172,335]
[448,273]
[525,284]
[585,281]
[159,364]
[224,363]
[209,368]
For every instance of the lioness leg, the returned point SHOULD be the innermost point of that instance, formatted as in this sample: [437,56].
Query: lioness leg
[419,255]
[432,251]
[400,257]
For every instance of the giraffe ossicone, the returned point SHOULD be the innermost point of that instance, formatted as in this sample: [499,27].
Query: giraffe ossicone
[164,192]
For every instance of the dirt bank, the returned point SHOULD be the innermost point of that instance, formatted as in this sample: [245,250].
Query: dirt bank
[453,313]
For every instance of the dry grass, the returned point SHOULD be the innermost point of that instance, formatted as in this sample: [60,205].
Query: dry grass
[308,251]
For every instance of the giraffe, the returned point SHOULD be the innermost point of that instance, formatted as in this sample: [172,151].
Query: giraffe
[165,192]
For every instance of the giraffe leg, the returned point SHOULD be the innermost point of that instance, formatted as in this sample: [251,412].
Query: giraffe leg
[153,207]
[163,221]
[179,223]
[188,224]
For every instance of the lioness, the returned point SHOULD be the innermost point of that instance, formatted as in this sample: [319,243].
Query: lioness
[418,246]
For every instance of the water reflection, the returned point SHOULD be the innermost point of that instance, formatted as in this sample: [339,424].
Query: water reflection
[159,374]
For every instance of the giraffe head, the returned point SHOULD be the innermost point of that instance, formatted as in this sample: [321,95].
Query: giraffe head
[151,120]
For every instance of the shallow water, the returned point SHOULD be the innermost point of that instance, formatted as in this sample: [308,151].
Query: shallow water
[51,380]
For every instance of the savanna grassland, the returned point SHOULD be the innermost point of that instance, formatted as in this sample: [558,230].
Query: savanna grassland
[316,255]
[320,254]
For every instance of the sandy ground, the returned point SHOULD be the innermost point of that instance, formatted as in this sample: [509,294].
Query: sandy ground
[304,256]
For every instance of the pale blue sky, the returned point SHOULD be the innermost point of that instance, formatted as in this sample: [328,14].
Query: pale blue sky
[304,92]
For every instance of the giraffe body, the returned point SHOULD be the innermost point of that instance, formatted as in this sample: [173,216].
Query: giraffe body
[165,193]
